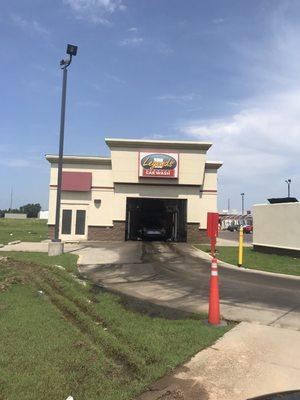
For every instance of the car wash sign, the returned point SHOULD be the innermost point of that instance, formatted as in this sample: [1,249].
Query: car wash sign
[158,164]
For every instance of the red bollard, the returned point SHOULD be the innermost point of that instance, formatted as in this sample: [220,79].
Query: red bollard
[214,300]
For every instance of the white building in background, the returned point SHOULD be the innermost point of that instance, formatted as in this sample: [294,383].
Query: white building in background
[276,228]
[15,216]
[43,214]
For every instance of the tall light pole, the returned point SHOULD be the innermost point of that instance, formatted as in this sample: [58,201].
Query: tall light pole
[243,203]
[71,51]
[288,181]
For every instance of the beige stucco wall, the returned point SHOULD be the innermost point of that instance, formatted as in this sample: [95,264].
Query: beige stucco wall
[102,189]
[113,200]
[199,203]
[210,179]
[125,166]
[102,174]
[277,225]
[196,184]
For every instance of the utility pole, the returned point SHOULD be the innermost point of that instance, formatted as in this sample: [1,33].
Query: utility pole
[11,199]
[228,206]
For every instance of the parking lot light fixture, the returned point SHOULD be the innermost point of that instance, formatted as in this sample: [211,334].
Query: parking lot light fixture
[64,63]
[288,181]
[243,203]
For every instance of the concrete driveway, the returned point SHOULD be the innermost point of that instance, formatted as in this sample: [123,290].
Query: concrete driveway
[175,275]
[39,247]
[110,253]
[250,360]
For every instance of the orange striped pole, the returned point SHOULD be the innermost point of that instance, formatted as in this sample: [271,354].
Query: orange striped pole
[214,299]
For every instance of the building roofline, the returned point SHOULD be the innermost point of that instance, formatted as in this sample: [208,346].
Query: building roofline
[70,159]
[164,144]
[213,164]
[75,159]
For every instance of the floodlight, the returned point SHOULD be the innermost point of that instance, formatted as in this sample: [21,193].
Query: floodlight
[72,49]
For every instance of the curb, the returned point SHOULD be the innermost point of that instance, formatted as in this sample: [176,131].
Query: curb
[14,242]
[208,257]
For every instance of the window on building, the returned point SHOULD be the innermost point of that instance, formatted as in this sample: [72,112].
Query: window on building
[66,222]
[80,222]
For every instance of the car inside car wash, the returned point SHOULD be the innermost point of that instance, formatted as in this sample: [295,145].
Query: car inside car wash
[156,219]
[142,190]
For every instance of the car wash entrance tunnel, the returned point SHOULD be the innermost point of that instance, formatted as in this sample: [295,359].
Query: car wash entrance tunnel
[156,219]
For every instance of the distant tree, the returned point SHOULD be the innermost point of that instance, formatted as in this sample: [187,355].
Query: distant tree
[32,210]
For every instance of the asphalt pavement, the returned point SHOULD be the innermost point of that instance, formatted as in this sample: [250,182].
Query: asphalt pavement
[234,236]
[175,275]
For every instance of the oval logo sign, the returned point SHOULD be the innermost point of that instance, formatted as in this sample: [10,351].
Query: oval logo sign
[158,161]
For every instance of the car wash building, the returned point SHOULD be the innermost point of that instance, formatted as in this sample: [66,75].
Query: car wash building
[161,188]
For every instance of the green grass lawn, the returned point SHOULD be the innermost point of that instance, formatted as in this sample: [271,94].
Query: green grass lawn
[26,230]
[257,260]
[72,339]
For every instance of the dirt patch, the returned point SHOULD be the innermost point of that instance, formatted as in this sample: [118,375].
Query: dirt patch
[145,307]
[172,388]
[17,265]
[8,282]
[80,343]
[9,269]
[154,310]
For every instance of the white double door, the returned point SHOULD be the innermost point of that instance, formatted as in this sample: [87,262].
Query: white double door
[73,222]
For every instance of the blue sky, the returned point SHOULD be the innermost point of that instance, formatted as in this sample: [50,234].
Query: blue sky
[225,71]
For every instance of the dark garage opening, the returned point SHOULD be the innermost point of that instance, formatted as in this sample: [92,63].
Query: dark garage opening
[156,219]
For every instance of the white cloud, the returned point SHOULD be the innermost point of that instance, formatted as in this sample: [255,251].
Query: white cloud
[28,25]
[274,120]
[218,21]
[132,29]
[159,136]
[178,98]
[96,11]
[259,146]
[259,141]
[131,42]
[114,78]
[137,41]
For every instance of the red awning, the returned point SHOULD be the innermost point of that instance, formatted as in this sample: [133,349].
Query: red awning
[76,181]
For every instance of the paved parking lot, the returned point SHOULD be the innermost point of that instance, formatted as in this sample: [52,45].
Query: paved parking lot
[227,238]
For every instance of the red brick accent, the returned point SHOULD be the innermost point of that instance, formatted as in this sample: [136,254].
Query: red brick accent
[117,233]
[196,235]
[102,233]
[51,231]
